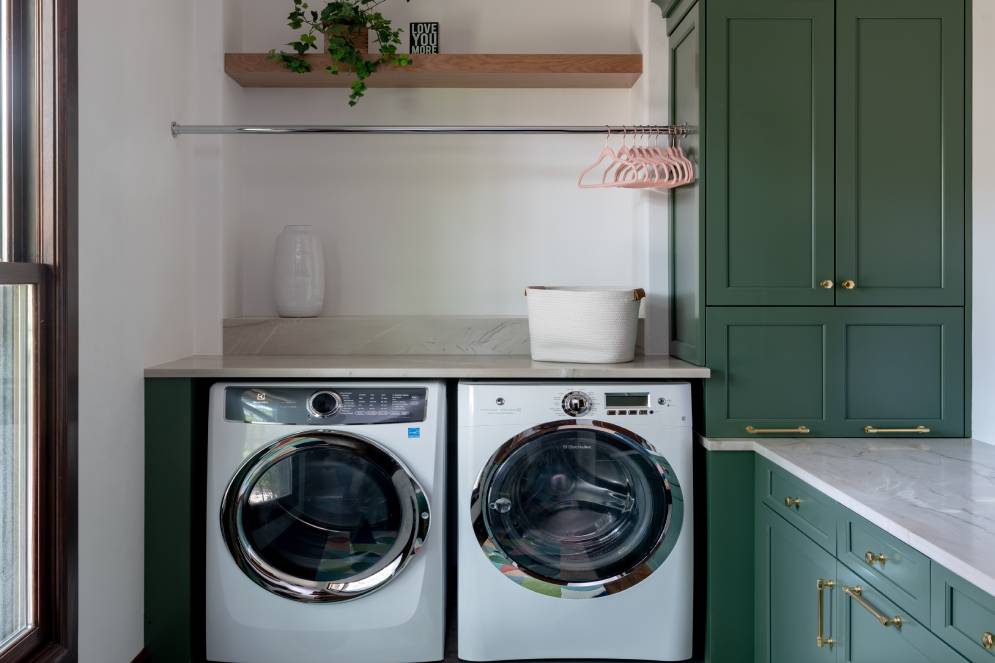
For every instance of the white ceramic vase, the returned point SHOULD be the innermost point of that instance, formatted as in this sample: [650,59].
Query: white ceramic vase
[299,273]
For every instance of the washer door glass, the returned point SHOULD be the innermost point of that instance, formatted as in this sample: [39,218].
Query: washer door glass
[324,517]
[578,505]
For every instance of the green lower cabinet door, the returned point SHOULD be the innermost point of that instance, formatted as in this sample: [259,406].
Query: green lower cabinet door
[903,372]
[794,595]
[872,629]
[773,369]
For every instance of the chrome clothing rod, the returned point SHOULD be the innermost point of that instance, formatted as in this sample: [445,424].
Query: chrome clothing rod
[257,130]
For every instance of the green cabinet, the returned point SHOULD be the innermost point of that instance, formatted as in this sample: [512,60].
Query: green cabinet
[900,145]
[687,327]
[769,153]
[963,615]
[835,372]
[863,638]
[795,600]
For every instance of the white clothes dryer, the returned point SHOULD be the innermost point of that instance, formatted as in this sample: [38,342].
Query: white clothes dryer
[325,523]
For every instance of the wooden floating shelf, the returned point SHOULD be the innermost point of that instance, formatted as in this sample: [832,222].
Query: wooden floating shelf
[451,70]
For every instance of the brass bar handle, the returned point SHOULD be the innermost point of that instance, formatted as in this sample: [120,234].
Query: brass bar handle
[792,502]
[872,557]
[988,640]
[919,430]
[823,641]
[856,593]
[801,430]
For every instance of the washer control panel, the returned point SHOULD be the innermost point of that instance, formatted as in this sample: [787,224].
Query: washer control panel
[330,406]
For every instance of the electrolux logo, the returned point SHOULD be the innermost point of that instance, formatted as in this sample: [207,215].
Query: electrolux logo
[573,447]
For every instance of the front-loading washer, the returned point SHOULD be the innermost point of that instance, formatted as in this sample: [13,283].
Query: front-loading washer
[325,523]
[574,521]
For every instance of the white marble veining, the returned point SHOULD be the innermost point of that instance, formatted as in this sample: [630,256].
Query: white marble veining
[937,495]
[379,335]
[500,367]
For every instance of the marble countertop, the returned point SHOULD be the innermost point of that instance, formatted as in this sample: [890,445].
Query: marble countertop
[506,367]
[937,495]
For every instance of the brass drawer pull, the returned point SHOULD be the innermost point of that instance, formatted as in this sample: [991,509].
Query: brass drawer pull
[871,558]
[920,430]
[988,640]
[856,593]
[823,641]
[792,502]
[801,430]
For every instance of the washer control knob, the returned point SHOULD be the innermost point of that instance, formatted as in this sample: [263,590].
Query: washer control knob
[576,404]
[324,404]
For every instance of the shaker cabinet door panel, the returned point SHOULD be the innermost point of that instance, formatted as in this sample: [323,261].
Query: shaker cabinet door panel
[900,152]
[772,369]
[769,152]
[902,368]
[789,601]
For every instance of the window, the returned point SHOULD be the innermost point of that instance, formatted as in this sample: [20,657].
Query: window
[37,330]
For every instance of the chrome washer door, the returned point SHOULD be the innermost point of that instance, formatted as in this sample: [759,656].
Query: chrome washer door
[577,510]
[323,516]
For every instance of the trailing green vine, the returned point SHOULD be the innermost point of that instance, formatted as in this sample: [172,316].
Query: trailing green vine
[340,22]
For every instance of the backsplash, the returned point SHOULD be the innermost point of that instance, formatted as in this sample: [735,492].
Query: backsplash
[381,335]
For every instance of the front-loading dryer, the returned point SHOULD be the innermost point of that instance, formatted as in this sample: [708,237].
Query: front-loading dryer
[325,523]
[574,521]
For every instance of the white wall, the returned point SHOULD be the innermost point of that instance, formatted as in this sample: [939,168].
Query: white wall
[452,224]
[137,274]
[983,352]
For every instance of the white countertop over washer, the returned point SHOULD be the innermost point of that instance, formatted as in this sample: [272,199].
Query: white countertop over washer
[503,367]
[937,495]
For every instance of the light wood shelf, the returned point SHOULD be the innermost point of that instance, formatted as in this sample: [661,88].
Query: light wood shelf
[452,70]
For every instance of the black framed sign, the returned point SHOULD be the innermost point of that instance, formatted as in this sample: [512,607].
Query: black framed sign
[424,37]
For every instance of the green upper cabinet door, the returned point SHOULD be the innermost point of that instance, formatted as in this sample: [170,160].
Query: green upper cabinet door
[687,328]
[769,153]
[794,595]
[900,152]
[902,368]
[773,369]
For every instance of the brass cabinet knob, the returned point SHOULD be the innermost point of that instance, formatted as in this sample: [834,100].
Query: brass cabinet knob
[871,558]
[849,284]
[988,641]
[792,502]
[827,284]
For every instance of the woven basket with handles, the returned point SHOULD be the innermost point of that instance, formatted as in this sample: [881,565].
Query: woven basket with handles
[584,325]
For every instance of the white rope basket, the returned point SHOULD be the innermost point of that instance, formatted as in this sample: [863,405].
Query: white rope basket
[583,325]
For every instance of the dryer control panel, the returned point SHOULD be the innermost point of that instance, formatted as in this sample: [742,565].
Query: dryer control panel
[332,406]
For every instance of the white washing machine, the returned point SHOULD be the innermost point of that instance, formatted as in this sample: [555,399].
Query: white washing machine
[325,523]
[575,527]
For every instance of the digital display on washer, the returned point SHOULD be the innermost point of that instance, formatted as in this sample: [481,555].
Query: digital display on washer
[627,400]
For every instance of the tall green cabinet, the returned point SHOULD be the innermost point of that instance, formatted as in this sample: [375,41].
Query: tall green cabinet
[819,264]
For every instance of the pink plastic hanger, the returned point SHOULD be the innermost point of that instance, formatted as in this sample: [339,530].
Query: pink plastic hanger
[606,153]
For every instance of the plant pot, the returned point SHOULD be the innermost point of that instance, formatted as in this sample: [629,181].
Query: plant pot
[358,35]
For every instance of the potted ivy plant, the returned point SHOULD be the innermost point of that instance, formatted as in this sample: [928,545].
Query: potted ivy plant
[345,26]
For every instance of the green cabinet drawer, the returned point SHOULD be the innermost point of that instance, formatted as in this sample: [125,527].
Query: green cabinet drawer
[903,368]
[773,369]
[963,615]
[898,570]
[872,629]
[800,504]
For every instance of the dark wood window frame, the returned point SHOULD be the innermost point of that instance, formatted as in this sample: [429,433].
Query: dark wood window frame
[42,204]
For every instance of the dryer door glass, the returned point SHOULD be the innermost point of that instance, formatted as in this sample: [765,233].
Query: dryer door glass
[577,505]
[323,517]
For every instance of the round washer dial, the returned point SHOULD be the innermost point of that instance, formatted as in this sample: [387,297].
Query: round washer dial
[576,404]
[324,404]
